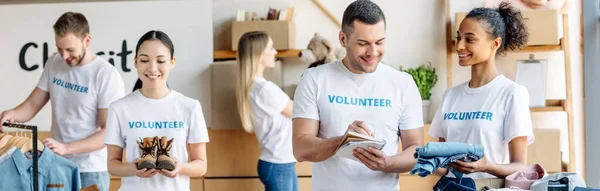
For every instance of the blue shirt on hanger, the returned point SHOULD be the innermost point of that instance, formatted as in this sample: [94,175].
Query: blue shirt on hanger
[54,172]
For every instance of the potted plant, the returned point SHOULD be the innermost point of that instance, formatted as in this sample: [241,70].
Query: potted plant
[425,78]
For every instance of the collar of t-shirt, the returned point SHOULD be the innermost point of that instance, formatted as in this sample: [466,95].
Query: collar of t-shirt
[346,71]
[167,98]
[76,68]
[485,87]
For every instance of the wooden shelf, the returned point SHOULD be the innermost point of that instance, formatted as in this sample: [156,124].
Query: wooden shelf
[231,54]
[537,48]
[544,109]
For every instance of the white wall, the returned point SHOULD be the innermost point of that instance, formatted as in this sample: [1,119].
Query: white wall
[110,24]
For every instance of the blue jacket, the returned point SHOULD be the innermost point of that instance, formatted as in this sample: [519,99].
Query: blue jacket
[54,173]
[438,154]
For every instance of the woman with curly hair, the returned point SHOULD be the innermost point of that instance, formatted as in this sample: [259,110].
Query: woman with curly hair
[489,109]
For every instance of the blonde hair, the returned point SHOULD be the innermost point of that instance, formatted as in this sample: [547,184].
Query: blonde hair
[250,48]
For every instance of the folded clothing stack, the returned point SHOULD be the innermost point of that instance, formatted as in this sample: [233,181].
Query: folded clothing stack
[436,155]
[525,177]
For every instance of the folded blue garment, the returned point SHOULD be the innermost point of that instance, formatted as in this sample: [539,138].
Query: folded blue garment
[447,149]
[436,155]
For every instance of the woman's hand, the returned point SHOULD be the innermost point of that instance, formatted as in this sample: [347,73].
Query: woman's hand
[144,173]
[470,167]
[174,172]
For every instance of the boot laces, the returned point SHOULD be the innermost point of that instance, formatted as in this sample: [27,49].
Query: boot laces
[162,151]
[146,151]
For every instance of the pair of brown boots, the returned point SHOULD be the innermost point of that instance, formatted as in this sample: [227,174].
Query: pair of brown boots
[162,159]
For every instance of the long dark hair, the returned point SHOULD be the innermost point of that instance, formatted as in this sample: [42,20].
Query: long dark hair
[153,35]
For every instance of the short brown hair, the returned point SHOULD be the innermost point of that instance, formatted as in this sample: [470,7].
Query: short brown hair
[71,22]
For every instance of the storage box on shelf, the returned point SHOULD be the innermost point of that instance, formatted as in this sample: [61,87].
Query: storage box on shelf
[282,32]
[543,25]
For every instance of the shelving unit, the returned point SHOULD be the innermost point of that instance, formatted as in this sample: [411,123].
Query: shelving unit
[541,48]
[230,54]
[551,105]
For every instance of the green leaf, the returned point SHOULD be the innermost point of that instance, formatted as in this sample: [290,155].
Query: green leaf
[425,78]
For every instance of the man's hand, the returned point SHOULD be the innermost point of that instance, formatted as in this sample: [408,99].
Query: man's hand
[372,158]
[360,127]
[7,116]
[56,147]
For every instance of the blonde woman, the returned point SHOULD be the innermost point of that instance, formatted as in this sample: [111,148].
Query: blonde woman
[265,109]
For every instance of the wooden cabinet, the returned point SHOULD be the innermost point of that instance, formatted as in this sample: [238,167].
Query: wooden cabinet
[234,153]
[247,184]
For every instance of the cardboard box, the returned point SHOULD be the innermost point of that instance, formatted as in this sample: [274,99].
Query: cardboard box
[554,120]
[222,91]
[416,183]
[282,32]
[544,26]
[545,150]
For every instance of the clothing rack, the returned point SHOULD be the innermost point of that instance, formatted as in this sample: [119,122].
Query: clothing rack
[35,148]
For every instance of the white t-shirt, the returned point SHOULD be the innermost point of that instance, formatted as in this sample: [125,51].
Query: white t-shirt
[76,95]
[491,115]
[387,100]
[273,129]
[174,116]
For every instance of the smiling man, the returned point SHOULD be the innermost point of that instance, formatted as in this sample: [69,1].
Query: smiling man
[359,94]
[80,86]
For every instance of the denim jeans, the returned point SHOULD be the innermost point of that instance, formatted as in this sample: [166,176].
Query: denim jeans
[99,178]
[278,177]
[455,184]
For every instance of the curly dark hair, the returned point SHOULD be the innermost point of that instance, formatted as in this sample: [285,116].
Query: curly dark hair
[505,22]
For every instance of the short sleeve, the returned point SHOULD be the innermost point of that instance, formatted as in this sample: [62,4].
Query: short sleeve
[111,88]
[272,99]
[44,83]
[517,122]
[411,116]
[113,135]
[197,131]
[437,129]
[305,98]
